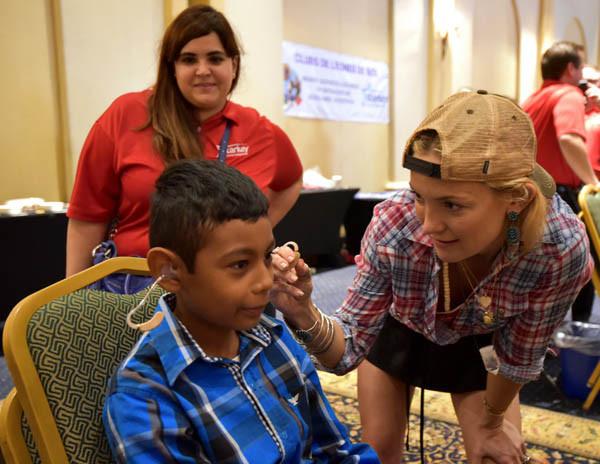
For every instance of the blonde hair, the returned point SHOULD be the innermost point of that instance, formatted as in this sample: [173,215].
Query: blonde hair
[532,219]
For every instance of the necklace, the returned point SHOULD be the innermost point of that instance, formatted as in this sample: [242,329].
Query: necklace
[446,280]
[484,300]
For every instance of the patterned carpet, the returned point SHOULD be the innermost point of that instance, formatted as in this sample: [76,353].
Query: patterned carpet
[551,437]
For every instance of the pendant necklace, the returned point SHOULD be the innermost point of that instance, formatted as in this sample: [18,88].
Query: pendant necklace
[484,300]
[446,281]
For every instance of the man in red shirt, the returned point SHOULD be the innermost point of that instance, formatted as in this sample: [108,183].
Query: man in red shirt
[592,117]
[557,110]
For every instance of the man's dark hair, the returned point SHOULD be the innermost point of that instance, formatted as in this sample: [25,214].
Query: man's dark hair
[194,196]
[556,59]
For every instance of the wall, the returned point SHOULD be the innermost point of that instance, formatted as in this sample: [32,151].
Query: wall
[495,48]
[110,47]
[587,13]
[359,152]
[410,61]
[29,117]
[528,13]
[259,27]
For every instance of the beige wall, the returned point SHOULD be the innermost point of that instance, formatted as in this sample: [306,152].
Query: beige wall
[359,152]
[109,48]
[258,25]
[29,113]
[495,48]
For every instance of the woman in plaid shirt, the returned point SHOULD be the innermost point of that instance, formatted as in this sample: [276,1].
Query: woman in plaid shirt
[461,281]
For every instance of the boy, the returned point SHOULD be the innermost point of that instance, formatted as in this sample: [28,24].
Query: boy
[217,381]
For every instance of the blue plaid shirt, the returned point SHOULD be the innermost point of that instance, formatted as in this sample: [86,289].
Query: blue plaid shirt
[170,402]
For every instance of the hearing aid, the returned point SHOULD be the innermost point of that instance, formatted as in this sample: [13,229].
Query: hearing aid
[157,317]
[294,246]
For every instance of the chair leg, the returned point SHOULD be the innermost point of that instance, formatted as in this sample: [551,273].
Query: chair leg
[594,383]
[2,460]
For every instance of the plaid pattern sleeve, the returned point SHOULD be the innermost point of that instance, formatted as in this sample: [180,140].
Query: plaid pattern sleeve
[368,300]
[170,402]
[521,344]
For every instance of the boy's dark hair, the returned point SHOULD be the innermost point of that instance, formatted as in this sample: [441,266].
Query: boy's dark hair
[194,196]
[558,56]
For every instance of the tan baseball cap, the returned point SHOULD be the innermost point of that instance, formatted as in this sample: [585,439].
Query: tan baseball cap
[484,137]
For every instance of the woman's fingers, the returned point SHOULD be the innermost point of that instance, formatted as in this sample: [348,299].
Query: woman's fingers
[283,287]
[285,262]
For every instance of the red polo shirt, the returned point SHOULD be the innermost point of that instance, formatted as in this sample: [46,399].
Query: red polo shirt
[556,109]
[592,127]
[118,166]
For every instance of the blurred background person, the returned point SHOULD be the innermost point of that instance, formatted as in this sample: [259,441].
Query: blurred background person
[557,110]
[592,117]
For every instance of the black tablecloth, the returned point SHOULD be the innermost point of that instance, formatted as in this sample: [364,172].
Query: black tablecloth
[314,222]
[34,249]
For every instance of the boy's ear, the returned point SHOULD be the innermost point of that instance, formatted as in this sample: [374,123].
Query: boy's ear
[165,263]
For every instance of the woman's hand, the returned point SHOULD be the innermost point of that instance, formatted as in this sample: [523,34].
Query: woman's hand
[500,444]
[292,286]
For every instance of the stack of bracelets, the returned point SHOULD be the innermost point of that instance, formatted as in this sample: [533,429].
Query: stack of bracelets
[319,337]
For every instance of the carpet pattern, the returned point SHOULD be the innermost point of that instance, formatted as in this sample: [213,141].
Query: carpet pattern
[552,438]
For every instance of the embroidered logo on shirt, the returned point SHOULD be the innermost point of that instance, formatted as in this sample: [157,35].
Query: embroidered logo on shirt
[294,399]
[237,149]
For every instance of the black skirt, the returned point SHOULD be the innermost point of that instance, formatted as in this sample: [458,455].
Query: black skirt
[410,357]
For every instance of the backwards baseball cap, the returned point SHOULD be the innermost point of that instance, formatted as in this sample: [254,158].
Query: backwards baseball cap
[484,137]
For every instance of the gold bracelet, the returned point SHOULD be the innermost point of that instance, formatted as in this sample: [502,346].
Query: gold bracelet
[491,410]
[327,340]
[318,341]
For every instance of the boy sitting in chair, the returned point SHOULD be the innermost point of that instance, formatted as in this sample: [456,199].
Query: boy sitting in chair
[214,380]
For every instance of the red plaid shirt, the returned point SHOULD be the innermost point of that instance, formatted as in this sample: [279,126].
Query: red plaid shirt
[397,274]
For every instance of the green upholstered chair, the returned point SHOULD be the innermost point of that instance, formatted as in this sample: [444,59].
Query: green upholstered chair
[62,344]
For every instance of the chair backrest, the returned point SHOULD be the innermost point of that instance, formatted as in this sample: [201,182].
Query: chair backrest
[62,344]
[589,202]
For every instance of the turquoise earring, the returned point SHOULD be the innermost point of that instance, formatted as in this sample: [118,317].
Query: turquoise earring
[513,234]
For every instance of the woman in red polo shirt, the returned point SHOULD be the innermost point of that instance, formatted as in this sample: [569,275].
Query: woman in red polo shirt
[186,114]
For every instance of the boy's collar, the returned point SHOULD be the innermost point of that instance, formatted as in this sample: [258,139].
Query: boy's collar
[177,349]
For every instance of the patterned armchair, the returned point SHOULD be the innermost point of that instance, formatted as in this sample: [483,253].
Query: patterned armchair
[62,344]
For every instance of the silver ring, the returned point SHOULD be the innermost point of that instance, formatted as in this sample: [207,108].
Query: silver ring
[525,458]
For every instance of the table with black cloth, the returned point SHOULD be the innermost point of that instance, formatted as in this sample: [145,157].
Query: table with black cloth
[34,256]
[359,215]
[314,223]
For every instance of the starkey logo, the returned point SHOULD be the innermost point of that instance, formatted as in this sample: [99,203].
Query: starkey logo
[237,149]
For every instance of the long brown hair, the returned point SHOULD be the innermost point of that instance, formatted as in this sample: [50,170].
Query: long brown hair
[170,114]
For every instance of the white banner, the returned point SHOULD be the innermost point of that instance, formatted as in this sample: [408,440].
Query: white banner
[326,85]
